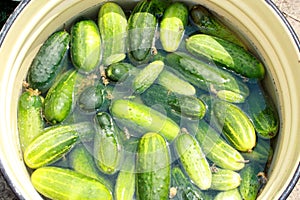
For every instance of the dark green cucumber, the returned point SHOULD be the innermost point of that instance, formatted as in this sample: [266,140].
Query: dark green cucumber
[262,113]
[30,119]
[60,98]
[112,24]
[250,184]
[85,45]
[228,54]
[233,194]
[53,143]
[146,77]
[153,165]
[108,151]
[48,63]
[185,188]
[193,160]
[145,117]
[141,31]
[172,26]
[234,125]
[209,23]
[208,77]
[224,179]
[217,150]
[119,72]
[60,183]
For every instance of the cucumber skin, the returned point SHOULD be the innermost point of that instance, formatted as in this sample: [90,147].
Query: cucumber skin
[30,119]
[217,150]
[85,45]
[233,194]
[49,61]
[234,125]
[172,26]
[108,152]
[224,179]
[153,165]
[206,76]
[119,72]
[144,116]
[193,160]
[60,183]
[59,99]
[112,24]
[229,55]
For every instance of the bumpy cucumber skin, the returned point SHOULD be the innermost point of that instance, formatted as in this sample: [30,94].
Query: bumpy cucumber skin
[153,168]
[85,45]
[146,77]
[233,194]
[49,61]
[217,150]
[172,26]
[208,23]
[228,54]
[30,119]
[119,72]
[60,183]
[207,76]
[224,179]
[193,160]
[112,24]
[107,148]
[234,125]
[59,99]
[146,117]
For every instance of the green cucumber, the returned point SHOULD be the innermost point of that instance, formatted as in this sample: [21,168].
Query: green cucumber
[208,23]
[153,165]
[48,63]
[206,76]
[112,24]
[53,143]
[233,194]
[224,179]
[234,125]
[262,113]
[146,77]
[119,72]
[229,55]
[30,119]
[108,151]
[172,26]
[217,150]
[60,98]
[250,184]
[145,117]
[193,160]
[85,45]
[60,183]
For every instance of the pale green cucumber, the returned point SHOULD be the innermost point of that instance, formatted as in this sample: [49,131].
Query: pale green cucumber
[224,179]
[233,194]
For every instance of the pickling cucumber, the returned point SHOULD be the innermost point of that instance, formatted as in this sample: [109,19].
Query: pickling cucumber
[233,194]
[224,179]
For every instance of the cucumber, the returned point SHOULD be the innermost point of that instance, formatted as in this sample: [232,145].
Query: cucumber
[206,76]
[224,179]
[30,119]
[108,151]
[172,26]
[119,72]
[145,117]
[112,24]
[85,45]
[250,184]
[63,184]
[60,97]
[48,63]
[217,150]
[227,54]
[146,77]
[193,160]
[141,31]
[153,165]
[53,143]
[208,23]
[233,194]
[262,113]
[234,125]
